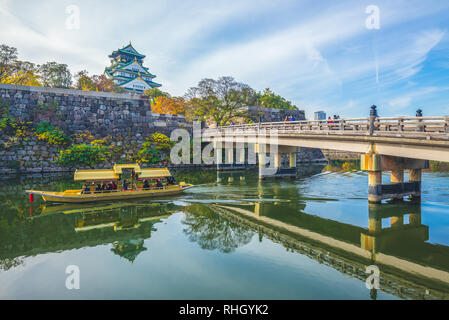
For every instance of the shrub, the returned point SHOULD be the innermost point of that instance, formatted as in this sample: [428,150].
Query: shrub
[151,149]
[13,164]
[148,154]
[83,154]
[159,141]
[437,166]
[8,124]
[46,132]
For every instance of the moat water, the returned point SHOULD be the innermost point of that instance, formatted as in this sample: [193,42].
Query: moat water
[230,237]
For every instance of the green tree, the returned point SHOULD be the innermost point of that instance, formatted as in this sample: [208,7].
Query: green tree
[55,75]
[156,93]
[14,71]
[268,99]
[8,56]
[220,100]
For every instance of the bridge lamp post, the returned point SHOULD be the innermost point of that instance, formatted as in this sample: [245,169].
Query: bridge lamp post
[372,119]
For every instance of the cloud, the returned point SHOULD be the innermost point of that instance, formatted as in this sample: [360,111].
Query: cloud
[317,56]
[400,103]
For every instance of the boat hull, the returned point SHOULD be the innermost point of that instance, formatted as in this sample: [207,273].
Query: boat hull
[75,196]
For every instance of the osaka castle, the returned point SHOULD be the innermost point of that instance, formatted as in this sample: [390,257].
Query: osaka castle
[128,72]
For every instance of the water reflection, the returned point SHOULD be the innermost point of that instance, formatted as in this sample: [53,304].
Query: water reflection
[225,213]
[410,267]
[395,239]
[66,227]
[211,232]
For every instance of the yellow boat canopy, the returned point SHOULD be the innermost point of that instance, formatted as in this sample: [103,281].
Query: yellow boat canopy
[118,168]
[154,173]
[95,175]
[114,174]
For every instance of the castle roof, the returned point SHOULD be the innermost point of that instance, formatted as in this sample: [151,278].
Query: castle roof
[129,49]
[149,82]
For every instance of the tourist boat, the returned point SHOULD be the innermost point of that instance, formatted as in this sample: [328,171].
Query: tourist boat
[121,172]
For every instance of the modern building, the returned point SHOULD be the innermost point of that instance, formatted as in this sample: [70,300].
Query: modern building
[320,115]
[128,72]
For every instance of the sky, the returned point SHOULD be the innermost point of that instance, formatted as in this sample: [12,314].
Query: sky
[337,56]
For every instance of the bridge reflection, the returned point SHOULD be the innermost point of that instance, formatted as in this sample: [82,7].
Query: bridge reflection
[395,240]
[410,267]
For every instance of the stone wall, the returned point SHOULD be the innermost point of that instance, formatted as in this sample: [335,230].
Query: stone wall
[340,155]
[102,113]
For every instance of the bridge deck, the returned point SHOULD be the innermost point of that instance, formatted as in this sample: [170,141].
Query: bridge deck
[410,137]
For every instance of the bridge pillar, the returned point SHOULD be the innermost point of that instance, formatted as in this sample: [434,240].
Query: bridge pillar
[415,176]
[374,222]
[292,158]
[397,189]
[230,158]
[371,162]
[276,170]
[277,161]
[397,221]
[397,176]
[377,239]
[262,165]
[240,155]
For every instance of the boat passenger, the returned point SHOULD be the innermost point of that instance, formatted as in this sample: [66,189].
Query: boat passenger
[98,188]
[86,189]
[171,180]
[125,185]
[146,185]
[114,186]
[159,185]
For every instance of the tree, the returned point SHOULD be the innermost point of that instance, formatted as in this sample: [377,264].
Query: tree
[23,73]
[269,99]
[55,75]
[165,105]
[83,81]
[220,100]
[8,56]
[105,84]
[13,71]
[96,83]
[155,93]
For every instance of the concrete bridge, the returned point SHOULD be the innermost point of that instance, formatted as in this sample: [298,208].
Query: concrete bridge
[386,143]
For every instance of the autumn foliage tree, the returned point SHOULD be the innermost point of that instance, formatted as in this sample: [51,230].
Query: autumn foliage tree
[14,71]
[95,83]
[168,105]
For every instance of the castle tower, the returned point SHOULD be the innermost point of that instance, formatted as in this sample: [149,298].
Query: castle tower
[128,72]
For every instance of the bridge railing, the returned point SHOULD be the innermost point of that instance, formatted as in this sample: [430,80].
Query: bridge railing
[404,126]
